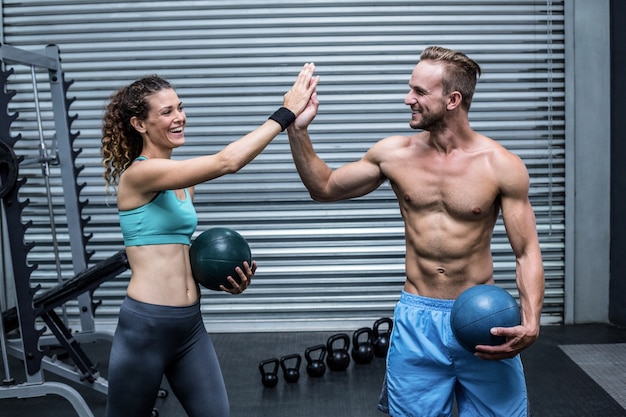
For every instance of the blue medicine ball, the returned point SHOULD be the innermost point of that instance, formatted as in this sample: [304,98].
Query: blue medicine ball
[215,254]
[477,310]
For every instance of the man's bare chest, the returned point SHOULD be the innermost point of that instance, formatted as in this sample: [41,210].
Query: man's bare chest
[470,194]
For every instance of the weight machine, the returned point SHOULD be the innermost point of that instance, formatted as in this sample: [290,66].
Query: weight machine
[31,305]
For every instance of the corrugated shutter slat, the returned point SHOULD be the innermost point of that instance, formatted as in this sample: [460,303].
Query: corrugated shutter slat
[322,266]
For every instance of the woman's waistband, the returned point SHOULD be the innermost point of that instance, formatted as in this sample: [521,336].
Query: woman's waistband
[157,310]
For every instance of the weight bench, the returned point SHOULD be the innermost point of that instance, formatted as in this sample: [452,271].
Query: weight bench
[44,305]
[88,280]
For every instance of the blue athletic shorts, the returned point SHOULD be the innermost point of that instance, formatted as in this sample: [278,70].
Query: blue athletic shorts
[427,368]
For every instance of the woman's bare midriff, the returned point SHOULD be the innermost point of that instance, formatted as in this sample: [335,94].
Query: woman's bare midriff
[161,274]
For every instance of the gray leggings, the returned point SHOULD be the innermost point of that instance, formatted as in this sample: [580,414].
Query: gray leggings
[151,341]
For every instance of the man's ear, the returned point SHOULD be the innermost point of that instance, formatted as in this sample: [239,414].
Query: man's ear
[454,100]
[137,124]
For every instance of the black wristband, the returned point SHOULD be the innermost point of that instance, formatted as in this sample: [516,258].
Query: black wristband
[284,117]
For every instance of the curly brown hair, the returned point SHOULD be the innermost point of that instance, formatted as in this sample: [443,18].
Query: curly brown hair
[121,143]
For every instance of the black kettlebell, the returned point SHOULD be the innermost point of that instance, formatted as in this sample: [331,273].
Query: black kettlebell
[315,367]
[362,350]
[381,338]
[338,358]
[291,374]
[269,378]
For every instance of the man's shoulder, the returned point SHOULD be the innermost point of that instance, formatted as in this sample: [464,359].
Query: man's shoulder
[402,141]
[498,150]
[508,167]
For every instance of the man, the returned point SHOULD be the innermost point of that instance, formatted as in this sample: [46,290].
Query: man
[451,183]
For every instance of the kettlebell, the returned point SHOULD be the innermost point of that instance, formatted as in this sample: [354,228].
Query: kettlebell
[291,374]
[362,350]
[338,358]
[315,367]
[381,339]
[269,378]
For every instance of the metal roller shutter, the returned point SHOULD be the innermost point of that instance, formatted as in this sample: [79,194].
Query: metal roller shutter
[321,266]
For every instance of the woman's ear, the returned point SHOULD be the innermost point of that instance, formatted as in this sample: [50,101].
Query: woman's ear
[137,124]
[454,100]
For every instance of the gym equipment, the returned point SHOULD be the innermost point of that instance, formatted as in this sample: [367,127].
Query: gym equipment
[338,358]
[45,160]
[9,169]
[291,374]
[362,350]
[315,367]
[382,338]
[269,379]
[31,306]
[3,348]
[477,310]
[87,280]
[215,254]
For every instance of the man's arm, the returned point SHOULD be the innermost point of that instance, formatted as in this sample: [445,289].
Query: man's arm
[325,184]
[521,228]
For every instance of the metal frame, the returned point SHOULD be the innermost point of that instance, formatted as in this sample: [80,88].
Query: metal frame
[29,306]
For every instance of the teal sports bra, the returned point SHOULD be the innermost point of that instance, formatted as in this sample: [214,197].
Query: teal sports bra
[164,220]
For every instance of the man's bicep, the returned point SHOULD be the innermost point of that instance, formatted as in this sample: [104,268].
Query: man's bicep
[356,179]
[520,223]
[517,211]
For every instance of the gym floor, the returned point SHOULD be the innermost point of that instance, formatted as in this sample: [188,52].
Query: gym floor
[571,371]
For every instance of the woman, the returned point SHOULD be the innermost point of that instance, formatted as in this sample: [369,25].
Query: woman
[160,330]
